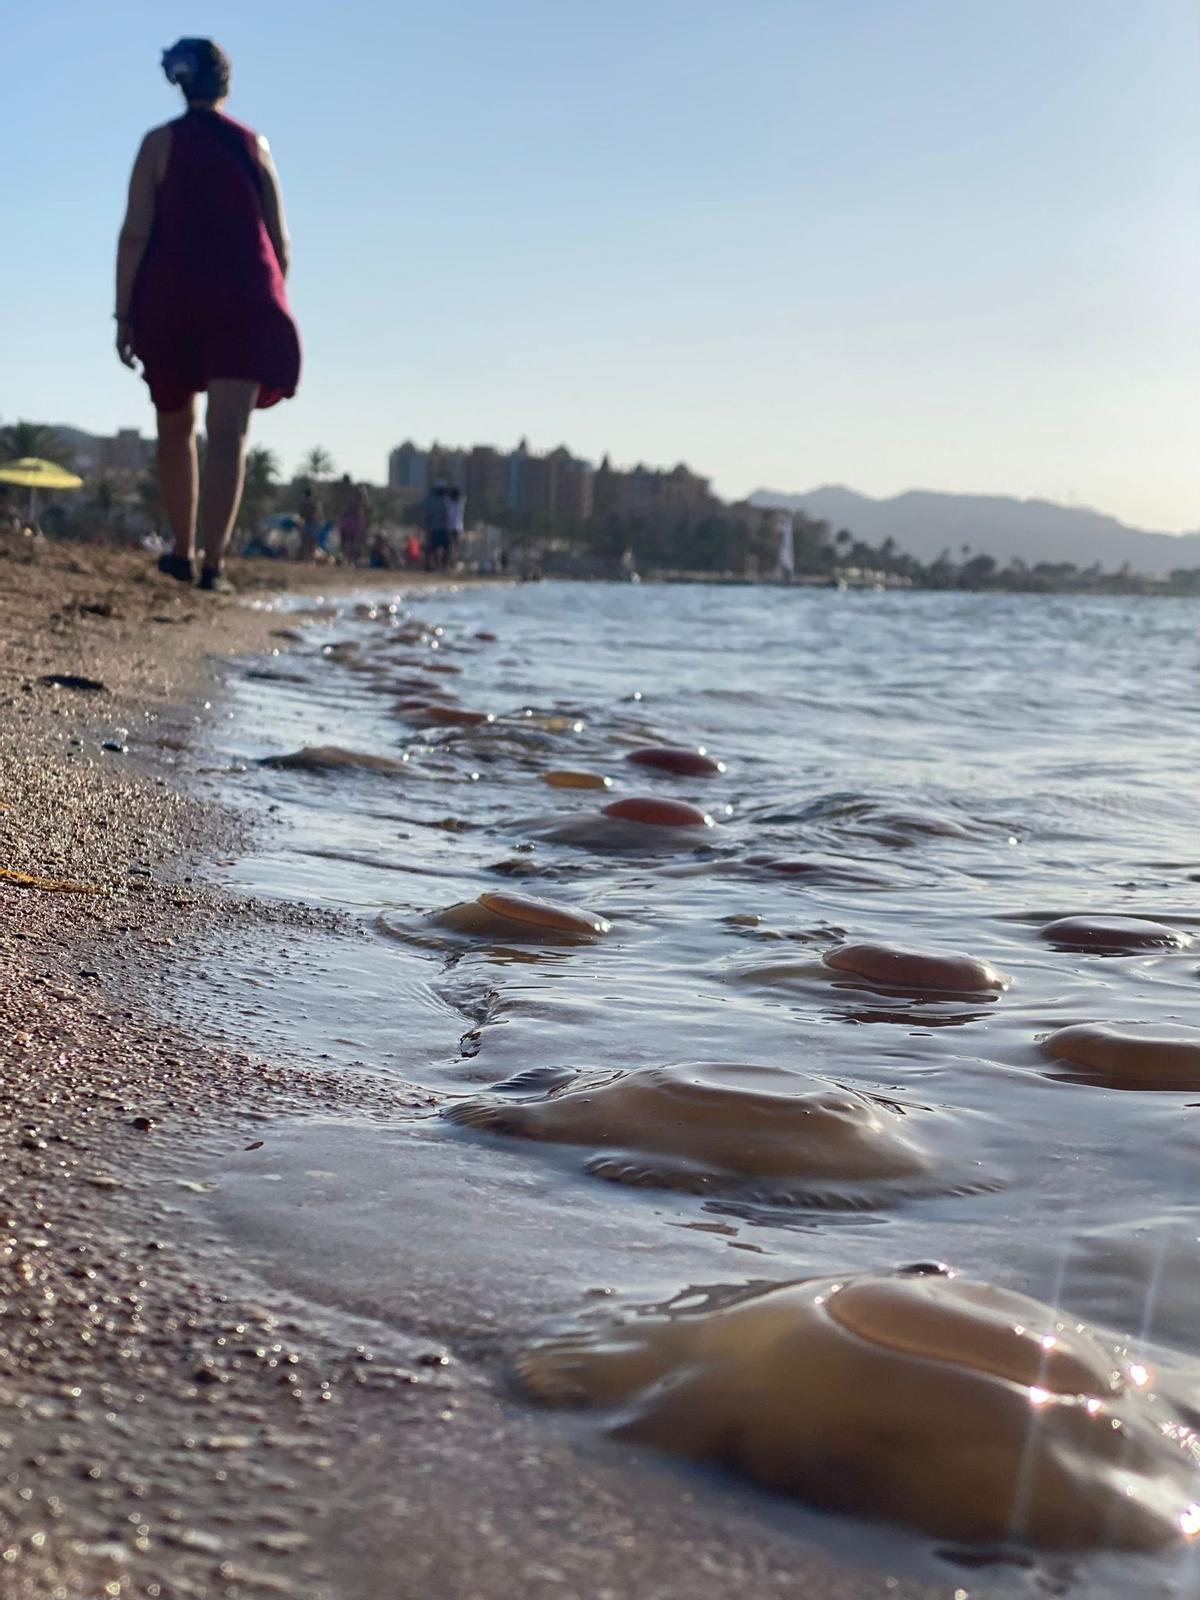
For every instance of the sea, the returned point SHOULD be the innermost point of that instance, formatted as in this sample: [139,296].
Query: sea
[626,1120]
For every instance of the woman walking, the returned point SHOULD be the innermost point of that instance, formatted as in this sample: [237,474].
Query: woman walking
[201,302]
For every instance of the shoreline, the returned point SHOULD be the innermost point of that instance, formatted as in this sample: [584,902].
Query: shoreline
[120,1382]
[181,1421]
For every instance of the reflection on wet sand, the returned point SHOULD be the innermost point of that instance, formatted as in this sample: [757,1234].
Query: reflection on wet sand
[961,1409]
[714,1127]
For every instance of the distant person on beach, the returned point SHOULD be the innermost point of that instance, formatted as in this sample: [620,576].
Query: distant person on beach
[312,515]
[456,511]
[435,519]
[352,522]
[201,302]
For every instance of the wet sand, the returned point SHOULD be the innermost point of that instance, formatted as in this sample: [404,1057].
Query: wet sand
[194,1403]
[159,1428]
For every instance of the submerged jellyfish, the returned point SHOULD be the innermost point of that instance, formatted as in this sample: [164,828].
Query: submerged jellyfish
[677,760]
[720,1127]
[520,918]
[963,1410]
[332,758]
[1123,1060]
[1114,936]
[565,778]
[918,971]
[658,813]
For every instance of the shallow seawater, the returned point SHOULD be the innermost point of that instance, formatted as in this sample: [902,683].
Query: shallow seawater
[940,773]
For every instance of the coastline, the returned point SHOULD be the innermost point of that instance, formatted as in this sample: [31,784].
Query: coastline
[122,1394]
[175,1426]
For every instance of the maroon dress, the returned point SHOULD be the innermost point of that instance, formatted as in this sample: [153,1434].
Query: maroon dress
[209,300]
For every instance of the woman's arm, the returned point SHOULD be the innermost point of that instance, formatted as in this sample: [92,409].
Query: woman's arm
[137,227]
[272,199]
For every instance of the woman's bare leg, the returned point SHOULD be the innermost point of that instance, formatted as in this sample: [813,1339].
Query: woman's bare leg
[177,475]
[230,402]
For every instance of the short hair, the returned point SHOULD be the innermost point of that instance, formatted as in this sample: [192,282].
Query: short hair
[199,67]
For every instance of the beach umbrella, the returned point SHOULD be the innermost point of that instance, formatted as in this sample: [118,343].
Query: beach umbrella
[32,474]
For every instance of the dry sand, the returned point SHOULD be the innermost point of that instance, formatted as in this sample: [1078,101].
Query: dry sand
[168,1426]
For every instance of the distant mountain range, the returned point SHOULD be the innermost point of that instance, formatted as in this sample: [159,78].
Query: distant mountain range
[925,523]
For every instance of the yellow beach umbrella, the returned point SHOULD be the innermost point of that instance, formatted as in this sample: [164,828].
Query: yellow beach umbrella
[33,474]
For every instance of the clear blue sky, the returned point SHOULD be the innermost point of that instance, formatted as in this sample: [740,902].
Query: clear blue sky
[892,243]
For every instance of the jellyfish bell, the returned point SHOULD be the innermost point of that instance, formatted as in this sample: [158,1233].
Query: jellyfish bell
[519,918]
[918,971]
[656,813]
[958,1408]
[677,760]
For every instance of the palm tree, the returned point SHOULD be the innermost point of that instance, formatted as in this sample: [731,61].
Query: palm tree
[317,464]
[32,439]
[262,482]
[262,468]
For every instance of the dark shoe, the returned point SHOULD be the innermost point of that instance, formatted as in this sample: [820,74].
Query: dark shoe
[213,578]
[177,567]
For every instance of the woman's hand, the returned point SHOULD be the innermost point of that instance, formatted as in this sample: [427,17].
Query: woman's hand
[125,342]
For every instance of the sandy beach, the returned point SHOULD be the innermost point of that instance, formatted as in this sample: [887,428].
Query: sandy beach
[123,1396]
[169,1425]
